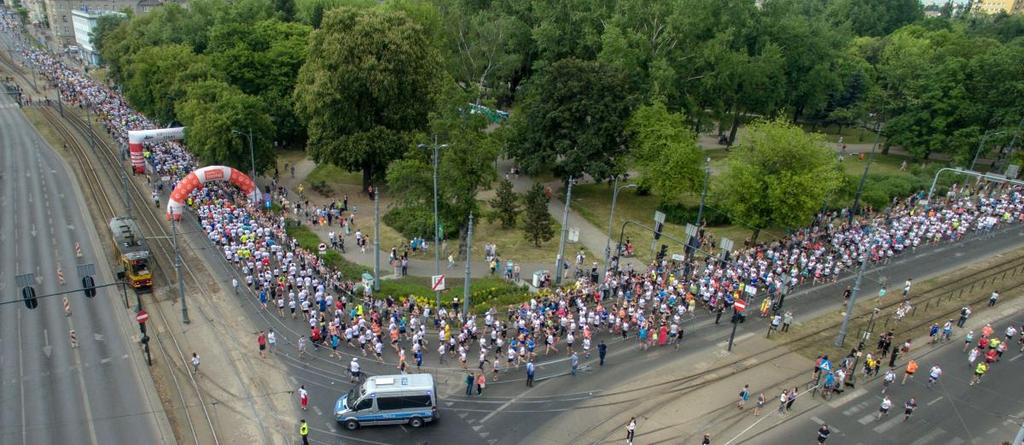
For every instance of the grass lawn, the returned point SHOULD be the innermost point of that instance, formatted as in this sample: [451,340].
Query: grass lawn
[851,135]
[334,176]
[888,165]
[593,201]
[512,243]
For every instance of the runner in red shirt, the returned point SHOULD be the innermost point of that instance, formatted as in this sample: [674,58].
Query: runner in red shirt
[261,340]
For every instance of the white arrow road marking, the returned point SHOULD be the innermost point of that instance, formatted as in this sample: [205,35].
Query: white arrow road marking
[47,349]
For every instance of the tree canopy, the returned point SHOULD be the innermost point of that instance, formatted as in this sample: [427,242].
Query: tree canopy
[365,88]
[778,176]
[572,119]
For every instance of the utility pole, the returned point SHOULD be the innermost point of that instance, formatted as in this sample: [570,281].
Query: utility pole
[252,153]
[864,176]
[437,226]
[177,270]
[565,234]
[841,337]
[376,239]
[981,146]
[469,269]
[611,219]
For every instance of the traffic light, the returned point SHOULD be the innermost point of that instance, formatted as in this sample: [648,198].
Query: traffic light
[28,294]
[663,252]
[89,286]
[657,229]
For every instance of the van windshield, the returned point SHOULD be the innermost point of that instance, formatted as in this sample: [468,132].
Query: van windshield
[353,396]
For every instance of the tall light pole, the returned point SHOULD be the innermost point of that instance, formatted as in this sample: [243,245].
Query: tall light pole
[703,193]
[177,270]
[252,153]
[864,176]
[376,239]
[565,233]
[437,229]
[841,337]
[611,218]
[469,269]
[981,146]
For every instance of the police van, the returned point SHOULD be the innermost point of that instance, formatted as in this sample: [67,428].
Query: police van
[389,400]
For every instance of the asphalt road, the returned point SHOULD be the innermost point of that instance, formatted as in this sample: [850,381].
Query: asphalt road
[507,413]
[950,412]
[51,393]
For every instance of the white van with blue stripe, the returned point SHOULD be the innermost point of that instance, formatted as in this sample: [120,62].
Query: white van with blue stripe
[389,400]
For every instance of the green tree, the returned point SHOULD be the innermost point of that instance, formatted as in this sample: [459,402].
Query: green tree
[664,151]
[153,75]
[285,9]
[537,225]
[213,112]
[779,175]
[364,88]
[465,167]
[263,59]
[505,204]
[875,17]
[572,118]
[105,25]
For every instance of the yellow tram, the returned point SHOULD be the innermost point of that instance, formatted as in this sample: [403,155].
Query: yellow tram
[132,252]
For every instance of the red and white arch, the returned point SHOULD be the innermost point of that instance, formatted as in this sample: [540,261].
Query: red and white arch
[201,176]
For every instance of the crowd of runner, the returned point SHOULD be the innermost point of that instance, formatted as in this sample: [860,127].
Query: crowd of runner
[648,305]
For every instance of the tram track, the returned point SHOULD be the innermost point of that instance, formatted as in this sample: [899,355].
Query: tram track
[683,385]
[188,393]
[151,221]
[732,368]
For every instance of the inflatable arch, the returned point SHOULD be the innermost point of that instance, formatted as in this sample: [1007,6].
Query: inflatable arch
[201,176]
[137,137]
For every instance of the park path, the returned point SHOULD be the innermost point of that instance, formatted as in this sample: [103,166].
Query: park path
[591,236]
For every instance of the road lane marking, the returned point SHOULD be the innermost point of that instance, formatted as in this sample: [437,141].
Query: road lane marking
[510,402]
[930,437]
[935,401]
[867,419]
[888,424]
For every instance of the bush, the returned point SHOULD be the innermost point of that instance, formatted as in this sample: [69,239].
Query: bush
[321,187]
[411,221]
[681,214]
[879,190]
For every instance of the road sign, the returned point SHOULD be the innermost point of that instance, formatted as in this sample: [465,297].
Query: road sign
[739,305]
[574,235]
[24,280]
[142,317]
[86,269]
[323,248]
[691,229]
[726,244]
[659,217]
[677,257]
[1012,171]
[437,283]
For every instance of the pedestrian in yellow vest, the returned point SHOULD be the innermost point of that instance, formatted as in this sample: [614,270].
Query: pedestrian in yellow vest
[304,431]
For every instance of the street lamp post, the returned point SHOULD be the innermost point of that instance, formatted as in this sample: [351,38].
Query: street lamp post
[177,271]
[252,153]
[864,176]
[981,146]
[841,337]
[437,234]
[565,229]
[611,218]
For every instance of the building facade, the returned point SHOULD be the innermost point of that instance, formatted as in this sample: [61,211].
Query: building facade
[83,23]
[997,6]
